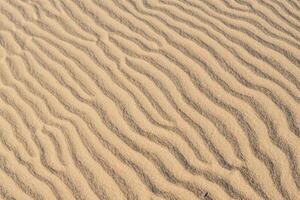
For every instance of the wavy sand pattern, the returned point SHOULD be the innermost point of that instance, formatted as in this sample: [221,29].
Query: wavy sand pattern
[150,99]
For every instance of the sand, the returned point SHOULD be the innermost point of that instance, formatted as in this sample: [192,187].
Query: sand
[149,99]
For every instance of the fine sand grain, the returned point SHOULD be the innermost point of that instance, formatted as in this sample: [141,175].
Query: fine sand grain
[149,99]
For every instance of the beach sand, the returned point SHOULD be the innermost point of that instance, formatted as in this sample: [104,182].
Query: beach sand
[150,99]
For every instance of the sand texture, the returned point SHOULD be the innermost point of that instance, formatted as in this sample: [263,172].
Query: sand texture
[149,99]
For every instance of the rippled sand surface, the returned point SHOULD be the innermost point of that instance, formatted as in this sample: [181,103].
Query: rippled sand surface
[150,99]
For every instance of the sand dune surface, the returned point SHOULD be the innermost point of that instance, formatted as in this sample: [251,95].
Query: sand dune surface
[150,99]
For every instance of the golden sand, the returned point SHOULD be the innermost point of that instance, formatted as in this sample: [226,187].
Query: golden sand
[149,99]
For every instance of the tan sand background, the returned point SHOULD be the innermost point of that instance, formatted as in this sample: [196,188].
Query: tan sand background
[150,99]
